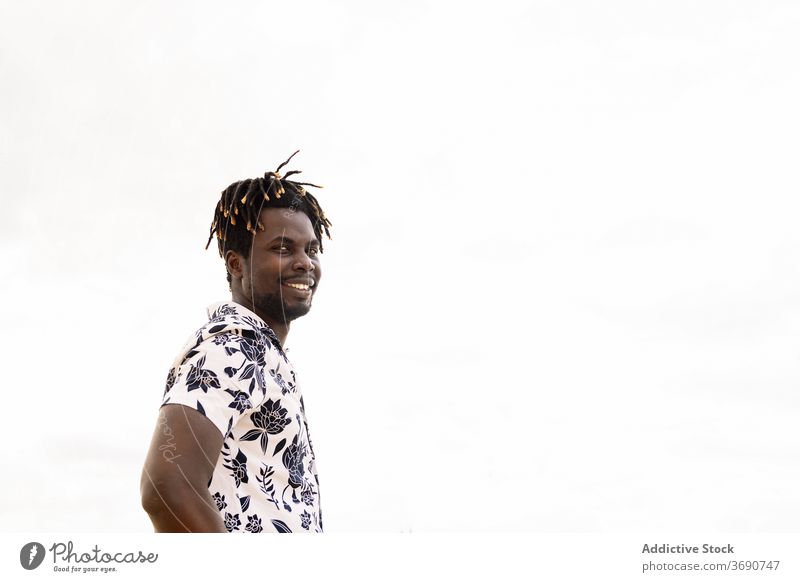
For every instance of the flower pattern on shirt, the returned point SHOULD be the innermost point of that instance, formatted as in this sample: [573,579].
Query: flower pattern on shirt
[235,372]
[240,402]
[232,522]
[270,418]
[200,377]
[219,500]
[253,524]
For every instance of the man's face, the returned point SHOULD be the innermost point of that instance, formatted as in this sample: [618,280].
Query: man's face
[284,256]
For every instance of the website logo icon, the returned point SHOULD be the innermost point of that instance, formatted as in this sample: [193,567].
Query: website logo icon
[31,555]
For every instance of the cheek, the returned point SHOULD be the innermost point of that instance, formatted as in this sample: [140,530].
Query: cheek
[266,269]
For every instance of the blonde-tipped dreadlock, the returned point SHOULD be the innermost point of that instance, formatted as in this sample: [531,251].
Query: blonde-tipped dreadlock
[236,218]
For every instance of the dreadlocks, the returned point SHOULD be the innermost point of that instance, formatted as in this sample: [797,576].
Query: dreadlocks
[239,208]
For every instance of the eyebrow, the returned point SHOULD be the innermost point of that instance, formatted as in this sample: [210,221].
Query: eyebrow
[291,241]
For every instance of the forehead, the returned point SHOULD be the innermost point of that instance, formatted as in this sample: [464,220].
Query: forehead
[293,224]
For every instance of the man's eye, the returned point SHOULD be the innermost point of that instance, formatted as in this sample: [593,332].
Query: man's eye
[315,251]
[282,247]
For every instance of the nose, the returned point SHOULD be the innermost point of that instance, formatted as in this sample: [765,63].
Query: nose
[304,263]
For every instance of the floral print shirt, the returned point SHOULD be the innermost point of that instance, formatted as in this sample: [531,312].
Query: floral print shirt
[234,371]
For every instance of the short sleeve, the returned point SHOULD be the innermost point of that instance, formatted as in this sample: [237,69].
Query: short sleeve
[206,379]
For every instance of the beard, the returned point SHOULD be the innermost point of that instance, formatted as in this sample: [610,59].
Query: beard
[273,306]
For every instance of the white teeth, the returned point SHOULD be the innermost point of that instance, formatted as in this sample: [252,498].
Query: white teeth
[302,286]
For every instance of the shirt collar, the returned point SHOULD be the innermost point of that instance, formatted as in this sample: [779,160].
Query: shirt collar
[236,309]
[233,308]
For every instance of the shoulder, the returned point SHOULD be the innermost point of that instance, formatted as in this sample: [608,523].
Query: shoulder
[231,321]
[224,320]
[232,340]
[225,326]
[217,370]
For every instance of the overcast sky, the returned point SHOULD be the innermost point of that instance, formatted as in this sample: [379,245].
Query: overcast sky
[563,289]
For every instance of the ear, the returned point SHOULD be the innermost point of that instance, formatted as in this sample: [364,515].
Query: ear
[235,264]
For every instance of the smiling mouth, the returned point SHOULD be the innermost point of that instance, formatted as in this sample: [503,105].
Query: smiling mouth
[300,288]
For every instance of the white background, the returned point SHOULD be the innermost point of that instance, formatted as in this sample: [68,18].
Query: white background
[562,293]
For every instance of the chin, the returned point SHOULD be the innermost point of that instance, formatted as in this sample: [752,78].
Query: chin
[271,305]
[292,312]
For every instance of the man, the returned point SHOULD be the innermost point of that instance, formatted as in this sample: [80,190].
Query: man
[231,451]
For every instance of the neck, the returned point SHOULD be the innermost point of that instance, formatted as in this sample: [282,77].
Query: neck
[280,327]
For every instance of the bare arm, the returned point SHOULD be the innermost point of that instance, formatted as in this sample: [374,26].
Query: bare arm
[178,468]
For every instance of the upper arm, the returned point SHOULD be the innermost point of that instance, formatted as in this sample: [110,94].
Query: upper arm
[182,456]
[203,400]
